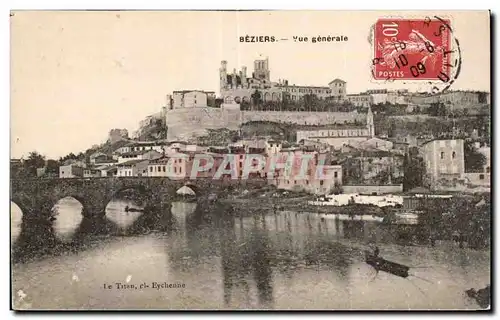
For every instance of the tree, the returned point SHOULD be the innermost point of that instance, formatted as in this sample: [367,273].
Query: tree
[52,167]
[474,160]
[413,168]
[256,98]
[33,162]
[437,109]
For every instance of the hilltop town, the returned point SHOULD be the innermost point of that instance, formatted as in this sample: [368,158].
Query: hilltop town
[376,142]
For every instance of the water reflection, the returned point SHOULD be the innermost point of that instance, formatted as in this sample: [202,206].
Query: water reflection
[282,260]
[16,217]
[68,217]
[117,211]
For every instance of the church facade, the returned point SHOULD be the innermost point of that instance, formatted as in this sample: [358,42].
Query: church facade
[238,87]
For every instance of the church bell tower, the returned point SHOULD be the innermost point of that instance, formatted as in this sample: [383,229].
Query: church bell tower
[369,122]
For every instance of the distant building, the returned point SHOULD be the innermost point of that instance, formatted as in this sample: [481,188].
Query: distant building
[455,99]
[379,96]
[71,171]
[339,135]
[443,160]
[360,99]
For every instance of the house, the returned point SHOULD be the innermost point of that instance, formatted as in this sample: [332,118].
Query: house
[101,161]
[190,98]
[71,171]
[372,167]
[108,171]
[132,168]
[139,155]
[148,145]
[97,156]
[483,177]
[320,175]
[444,161]
[176,165]
[375,143]
[75,162]
[91,173]
[273,146]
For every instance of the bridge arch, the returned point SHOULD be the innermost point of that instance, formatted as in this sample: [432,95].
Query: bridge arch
[17,202]
[191,186]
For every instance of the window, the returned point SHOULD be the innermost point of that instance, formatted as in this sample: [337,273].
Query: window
[150,169]
[481,177]
[453,155]
[487,170]
[442,155]
[164,169]
[335,174]
[321,182]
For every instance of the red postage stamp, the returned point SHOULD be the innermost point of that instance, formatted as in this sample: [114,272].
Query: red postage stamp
[412,49]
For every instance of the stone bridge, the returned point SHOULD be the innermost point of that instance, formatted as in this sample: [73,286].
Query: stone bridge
[37,197]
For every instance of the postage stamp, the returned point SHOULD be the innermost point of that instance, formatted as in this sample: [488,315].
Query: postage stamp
[412,49]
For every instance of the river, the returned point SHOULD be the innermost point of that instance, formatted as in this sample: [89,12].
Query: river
[286,260]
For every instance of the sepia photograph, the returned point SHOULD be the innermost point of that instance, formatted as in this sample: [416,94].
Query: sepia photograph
[250,160]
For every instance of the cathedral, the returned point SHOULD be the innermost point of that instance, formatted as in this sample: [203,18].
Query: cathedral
[238,86]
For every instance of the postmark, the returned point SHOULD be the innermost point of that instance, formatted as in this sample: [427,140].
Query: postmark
[422,50]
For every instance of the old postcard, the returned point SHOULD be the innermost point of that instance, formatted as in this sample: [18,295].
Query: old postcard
[235,160]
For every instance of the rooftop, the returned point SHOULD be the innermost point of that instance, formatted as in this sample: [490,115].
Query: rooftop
[337,80]
[187,91]
[437,139]
[131,163]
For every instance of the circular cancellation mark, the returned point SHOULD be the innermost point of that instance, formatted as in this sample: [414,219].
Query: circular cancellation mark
[423,51]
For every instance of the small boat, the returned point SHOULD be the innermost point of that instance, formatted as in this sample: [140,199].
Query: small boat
[128,209]
[380,264]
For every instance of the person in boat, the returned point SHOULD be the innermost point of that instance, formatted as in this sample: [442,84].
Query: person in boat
[380,264]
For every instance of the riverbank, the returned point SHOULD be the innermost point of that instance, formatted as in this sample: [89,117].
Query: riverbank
[467,219]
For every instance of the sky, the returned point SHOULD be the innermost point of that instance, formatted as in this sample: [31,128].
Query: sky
[77,75]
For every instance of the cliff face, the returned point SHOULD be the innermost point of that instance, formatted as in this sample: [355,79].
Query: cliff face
[184,124]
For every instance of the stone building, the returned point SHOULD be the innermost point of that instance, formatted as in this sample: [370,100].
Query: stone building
[189,99]
[360,99]
[443,160]
[339,135]
[373,167]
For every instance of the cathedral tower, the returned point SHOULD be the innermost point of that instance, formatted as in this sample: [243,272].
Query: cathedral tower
[261,70]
